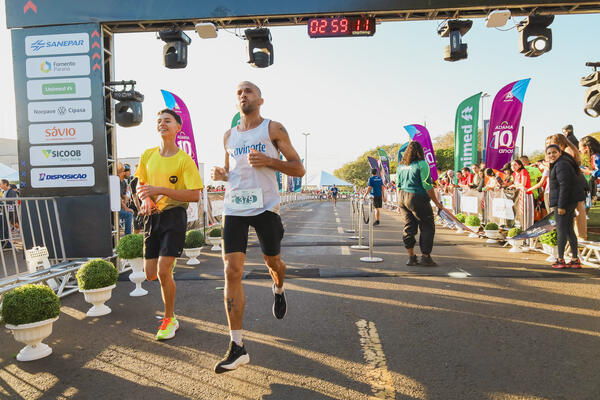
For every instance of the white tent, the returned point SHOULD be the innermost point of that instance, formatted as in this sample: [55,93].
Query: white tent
[7,172]
[328,180]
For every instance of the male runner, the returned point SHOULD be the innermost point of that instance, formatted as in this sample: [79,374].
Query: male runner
[375,188]
[334,194]
[252,199]
[168,180]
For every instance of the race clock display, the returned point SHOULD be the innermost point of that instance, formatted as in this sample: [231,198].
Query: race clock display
[341,27]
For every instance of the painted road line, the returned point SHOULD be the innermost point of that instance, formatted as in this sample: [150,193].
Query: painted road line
[382,383]
[345,250]
[340,229]
[338,220]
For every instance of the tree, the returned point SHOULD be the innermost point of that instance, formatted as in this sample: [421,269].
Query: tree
[445,141]
[358,171]
[444,159]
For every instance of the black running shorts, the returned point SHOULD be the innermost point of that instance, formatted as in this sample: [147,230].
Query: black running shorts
[267,225]
[377,201]
[164,233]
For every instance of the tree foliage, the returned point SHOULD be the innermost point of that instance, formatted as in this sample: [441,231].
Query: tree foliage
[358,171]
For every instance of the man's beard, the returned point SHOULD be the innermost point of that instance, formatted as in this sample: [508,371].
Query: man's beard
[248,108]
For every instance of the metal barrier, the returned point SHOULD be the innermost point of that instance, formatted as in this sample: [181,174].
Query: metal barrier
[356,218]
[353,212]
[370,257]
[361,219]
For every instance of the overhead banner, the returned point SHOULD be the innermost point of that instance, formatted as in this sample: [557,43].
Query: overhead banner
[373,163]
[185,138]
[504,123]
[384,161]
[420,134]
[465,133]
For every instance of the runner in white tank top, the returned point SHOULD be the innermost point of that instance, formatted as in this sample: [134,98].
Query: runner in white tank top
[252,199]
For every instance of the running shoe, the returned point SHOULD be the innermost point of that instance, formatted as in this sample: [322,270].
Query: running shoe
[574,263]
[559,264]
[235,357]
[167,328]
[426,261]
[279,304]
[376,222]
[412,260]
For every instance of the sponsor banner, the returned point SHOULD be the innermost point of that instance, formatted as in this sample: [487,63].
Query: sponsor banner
[59,110]
[54,67]
[503,208]
[420,134]
[185,138]
[451,219]
[544,225]
[465,133]
[504,123]
[384,161]
[61,155]
[49,89]
[62,177]
[469,204]
[235,121]
[74,132]
[66,43]
[374,165]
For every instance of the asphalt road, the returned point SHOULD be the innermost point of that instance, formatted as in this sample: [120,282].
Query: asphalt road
[508,328]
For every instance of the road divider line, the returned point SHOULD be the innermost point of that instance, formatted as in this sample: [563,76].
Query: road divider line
[340,229]
[382,383]
[338,220]
[345,250]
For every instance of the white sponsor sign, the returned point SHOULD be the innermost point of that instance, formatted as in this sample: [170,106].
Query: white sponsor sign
[469,204]
[71,132]
[49,89]
[53,67]
[62,177]
[503,208]
[65,43]
[59,110]
[61,155]
[447,202]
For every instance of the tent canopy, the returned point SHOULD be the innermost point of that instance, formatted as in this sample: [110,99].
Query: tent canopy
[7,172]
[328,180]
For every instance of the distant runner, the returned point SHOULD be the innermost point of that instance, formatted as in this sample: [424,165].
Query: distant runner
[334,194]
[376,189]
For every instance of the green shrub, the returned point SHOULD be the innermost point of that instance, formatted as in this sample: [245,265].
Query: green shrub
[472,220]
[193,239]
[460,217]
[514,232]
[549,238]
[131,246]
[96,274]
[29,303]
[491,226]
[215,232]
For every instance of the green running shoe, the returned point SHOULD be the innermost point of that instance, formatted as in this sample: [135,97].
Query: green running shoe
[167,328]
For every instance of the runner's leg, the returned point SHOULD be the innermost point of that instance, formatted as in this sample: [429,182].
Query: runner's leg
[167,284]
[234,291]
[151,268]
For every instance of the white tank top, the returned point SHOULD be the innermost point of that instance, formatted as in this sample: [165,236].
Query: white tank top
[246,184]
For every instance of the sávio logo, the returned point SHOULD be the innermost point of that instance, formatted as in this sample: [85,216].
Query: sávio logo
[46,67]
[57,132]
[173,179]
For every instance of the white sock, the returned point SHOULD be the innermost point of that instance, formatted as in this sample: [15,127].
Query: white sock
[277,290]
[236,336]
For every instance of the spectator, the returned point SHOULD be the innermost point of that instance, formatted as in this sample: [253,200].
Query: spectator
[520,176]
[568,132]
[126,213]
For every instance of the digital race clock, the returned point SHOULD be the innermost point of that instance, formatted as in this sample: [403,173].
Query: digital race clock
[341,27]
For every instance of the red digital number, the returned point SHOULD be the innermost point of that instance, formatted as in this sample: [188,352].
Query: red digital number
[314,26]
[323,26]
[335,28]
[367,24]
[344,25]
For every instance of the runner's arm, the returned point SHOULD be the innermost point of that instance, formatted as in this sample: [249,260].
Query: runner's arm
[292,166]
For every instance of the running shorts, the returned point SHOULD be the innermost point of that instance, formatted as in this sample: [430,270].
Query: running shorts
[377,202]
[267,225]
[164,233]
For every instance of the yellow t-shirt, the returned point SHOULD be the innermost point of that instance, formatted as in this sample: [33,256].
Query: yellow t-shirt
[176,172]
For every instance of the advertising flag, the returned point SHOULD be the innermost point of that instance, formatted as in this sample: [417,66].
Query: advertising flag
[420,134]
[277,173]
[504,123]
[384,161]
[465,133]
[373,163]
[401,151]
[185,137]
[236,120]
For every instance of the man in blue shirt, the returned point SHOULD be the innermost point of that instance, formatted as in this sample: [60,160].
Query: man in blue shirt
[375,188]
[334,193]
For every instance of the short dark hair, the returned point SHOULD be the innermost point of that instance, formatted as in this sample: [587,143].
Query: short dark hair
[568,128]
[373,171]
[171,112]
[5,181]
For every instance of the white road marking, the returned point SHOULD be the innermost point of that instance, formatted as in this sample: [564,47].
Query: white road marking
[340,229]
[338,220]
[345,250]
[382,383]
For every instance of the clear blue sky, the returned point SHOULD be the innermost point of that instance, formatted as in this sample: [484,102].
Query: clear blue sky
[352,94]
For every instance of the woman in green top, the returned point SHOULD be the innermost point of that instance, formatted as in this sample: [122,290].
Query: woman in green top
[415,190]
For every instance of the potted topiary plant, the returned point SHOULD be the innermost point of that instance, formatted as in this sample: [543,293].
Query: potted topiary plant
[96,279]
[460,217]
[549,242]
[29,312]
[214,237]
[492,232]
[473,222]
[130,249]
[516,244]
[194,240]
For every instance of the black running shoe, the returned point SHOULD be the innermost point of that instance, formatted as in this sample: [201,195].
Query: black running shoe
[412,260]
[376,222]
[236,357]
[426,261]
[279,305]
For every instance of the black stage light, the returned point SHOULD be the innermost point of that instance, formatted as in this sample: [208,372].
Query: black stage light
[535,38]
[128,110]
[592,95]
[260,48]
[176,48]
[455,29]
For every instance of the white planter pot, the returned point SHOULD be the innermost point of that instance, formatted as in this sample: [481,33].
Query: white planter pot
[216,243]
[97,297]
[492,235]
[192,254]
[137,276]
[459,230]
[552,252]
[474,229]
[32,335]
[516,245]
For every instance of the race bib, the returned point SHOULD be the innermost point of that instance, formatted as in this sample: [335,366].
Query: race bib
[245,199]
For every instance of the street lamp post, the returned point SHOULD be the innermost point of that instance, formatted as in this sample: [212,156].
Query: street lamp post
[305,157]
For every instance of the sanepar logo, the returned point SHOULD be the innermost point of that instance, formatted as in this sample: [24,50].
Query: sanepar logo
[40,44]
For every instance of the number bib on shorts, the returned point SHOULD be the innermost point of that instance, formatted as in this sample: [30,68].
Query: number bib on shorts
[245,199]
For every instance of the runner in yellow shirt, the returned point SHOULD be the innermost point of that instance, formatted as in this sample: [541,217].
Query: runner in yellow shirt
[168,180]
